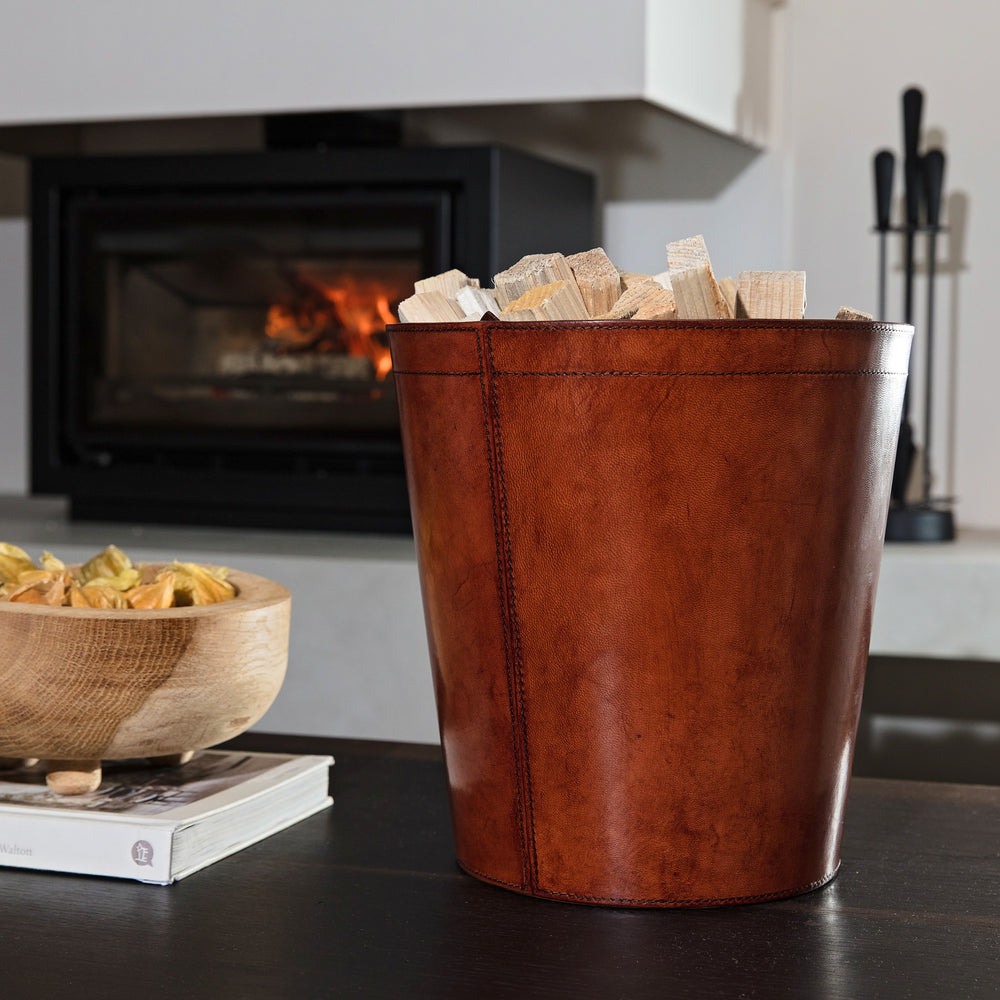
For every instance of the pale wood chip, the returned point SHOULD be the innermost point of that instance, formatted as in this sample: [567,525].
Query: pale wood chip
[597,278]
[696,291]
[447,283]
[846,312]
[729,289]
[771,295]
[475,302]
[530,272]
[646,300]
[559,300]
[429,307]
[630,278]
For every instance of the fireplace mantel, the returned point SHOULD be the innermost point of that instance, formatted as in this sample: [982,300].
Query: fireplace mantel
[710,62]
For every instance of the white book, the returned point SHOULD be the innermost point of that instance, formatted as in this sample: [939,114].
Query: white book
[158,824]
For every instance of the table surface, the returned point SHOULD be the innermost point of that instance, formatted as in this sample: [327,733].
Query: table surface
[365,899]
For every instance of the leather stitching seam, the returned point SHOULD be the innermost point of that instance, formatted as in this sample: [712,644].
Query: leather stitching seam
[623,374]
[518,664]
[502,603]
[737,374]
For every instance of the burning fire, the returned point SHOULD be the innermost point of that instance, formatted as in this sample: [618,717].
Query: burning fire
[347,317]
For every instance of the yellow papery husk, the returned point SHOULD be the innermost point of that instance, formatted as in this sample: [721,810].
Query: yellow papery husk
[108,564]
[77,598]
[158,594]
[49,591]
[50,562]
[125,580]
[196,585]
[13,562]
[99,595]
[35,575]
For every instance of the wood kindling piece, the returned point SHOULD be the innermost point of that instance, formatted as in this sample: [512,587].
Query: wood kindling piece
[729,289]
[771,295]
[659,303]
[597,278]
[429,307]
[846,312]
[447,283]
[696,291]
[630,278]
[475,302]
[646,300]
[534,270]
[556,300]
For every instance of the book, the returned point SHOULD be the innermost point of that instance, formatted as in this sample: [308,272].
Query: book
[157,824]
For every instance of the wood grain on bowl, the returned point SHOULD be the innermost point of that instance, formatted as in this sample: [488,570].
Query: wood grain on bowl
[83,684]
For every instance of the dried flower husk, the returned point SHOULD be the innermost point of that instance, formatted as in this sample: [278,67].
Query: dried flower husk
[50,590]
[158,594]
[109,580]
[196,584]
[13,562]
[50,562]
[125,580]
[100,595]
[107,564]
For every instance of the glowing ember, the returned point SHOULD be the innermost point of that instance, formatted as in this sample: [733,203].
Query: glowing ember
[349,317]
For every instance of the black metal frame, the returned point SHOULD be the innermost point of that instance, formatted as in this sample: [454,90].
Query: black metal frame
[489,206]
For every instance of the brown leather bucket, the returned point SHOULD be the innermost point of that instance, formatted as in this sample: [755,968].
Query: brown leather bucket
[648,554]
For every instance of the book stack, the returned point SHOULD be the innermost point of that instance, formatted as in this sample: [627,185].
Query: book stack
[158,824]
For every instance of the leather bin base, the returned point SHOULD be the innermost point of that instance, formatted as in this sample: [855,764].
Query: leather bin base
[648,556]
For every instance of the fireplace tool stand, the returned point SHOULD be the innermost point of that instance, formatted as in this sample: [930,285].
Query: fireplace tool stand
[924,518]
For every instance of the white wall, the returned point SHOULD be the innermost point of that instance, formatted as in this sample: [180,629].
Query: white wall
[849,63]
[838,73]
[808,203]
[13,357]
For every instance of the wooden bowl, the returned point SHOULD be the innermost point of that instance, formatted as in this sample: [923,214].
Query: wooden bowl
[81,685]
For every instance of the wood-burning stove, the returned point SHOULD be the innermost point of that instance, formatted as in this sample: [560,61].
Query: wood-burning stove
[208,331]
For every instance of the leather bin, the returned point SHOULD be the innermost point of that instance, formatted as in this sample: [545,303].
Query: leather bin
[648,555]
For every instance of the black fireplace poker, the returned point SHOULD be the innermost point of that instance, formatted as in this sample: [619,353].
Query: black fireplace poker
[924,519]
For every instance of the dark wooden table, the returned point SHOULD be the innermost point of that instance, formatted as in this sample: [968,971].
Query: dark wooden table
[365,900]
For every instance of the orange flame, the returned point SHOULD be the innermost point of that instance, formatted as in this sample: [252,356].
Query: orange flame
[346,317]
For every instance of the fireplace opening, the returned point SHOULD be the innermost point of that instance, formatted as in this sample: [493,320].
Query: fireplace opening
[240,318]
[208,332]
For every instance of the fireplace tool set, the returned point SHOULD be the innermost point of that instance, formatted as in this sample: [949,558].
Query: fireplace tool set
[925,518]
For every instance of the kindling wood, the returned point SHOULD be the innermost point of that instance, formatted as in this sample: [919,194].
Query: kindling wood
[696,291]
[645,300]
[597,279]
[771,295]
[557,300]
[587,285]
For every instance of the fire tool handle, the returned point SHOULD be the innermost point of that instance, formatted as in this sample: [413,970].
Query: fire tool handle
[933,185]
[913,106]
[885,169]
